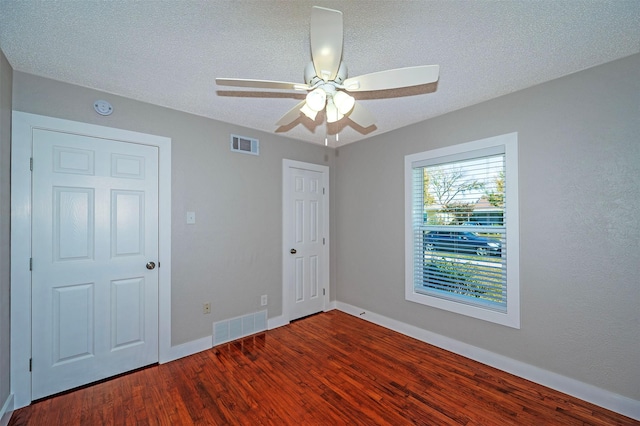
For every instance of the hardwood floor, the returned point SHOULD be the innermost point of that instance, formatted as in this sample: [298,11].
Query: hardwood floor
[328,369]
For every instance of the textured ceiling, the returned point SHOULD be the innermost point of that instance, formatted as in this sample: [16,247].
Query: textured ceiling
[169,52]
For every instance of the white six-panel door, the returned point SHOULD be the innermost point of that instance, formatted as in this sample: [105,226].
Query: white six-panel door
[94,238]
[306,260]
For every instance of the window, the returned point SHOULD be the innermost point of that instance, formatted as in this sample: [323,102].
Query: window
[461,229]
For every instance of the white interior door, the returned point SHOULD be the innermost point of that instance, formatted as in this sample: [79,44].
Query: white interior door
[94,232]
[305,239]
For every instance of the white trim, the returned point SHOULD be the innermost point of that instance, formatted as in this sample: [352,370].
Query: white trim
[206,343]
[188,348]
[286,219]
[21,147]
[584,391]
[6,411]
[276,322]
[509,142]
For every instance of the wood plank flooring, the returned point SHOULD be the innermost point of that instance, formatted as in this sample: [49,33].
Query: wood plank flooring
[327,369]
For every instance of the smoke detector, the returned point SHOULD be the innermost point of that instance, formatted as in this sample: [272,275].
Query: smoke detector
[103,107]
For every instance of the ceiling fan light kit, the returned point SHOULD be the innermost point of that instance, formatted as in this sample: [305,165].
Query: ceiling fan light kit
[326,77]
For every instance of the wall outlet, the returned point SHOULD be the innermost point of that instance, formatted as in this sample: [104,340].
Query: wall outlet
[263,300]
[206,308]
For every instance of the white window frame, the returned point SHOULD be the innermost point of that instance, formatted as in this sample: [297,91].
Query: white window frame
[509,142]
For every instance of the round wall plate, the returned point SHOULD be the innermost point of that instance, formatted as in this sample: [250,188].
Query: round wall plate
[103,107]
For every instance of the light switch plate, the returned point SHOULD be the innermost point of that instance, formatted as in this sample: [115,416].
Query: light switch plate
[191,218]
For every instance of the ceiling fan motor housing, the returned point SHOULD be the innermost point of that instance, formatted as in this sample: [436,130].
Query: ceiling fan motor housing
[311,78]
[342,73]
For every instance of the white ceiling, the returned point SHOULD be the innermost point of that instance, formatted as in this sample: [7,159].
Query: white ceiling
[169,52]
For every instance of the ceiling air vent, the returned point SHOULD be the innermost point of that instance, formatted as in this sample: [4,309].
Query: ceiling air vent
[244,144]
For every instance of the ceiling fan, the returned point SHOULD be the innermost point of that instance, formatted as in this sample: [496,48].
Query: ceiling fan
[326,77]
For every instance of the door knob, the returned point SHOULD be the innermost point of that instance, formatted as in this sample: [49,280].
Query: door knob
[293,251]
[151,265]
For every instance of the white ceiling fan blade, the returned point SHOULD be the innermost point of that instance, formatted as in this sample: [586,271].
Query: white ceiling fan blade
[393,79]
[361,116]
[291,115]
[261,84]
[326,41]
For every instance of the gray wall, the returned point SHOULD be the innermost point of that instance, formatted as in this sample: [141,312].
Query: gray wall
[579,188]
[579,197]
[233,254]
[6,77]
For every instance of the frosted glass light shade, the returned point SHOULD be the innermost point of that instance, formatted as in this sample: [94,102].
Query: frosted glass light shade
[344,102]
[308,112]
[316,99]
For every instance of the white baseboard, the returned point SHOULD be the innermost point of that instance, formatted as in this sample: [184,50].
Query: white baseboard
[205,343]
[281,320]
[6,411]
[601,397]
[188,348]
[276,322]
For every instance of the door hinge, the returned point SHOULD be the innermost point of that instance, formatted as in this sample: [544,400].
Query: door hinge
[31,163]
[30,363]
[323,242]
[322,191]
[31,263]
[324,292]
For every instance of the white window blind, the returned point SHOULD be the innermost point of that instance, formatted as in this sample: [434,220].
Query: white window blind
[459,232]
[458,241]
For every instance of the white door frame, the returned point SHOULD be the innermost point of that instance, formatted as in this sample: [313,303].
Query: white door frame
[286,233]
[21,153]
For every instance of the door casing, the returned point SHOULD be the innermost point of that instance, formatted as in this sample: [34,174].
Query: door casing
[287,237]
[21,153]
